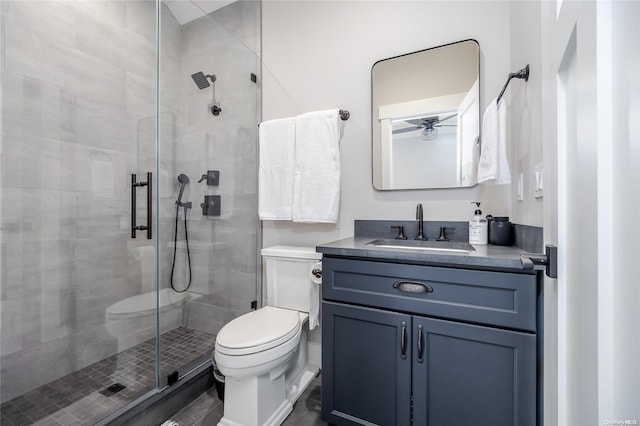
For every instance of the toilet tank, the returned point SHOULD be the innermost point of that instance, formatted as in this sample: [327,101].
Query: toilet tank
[288,276]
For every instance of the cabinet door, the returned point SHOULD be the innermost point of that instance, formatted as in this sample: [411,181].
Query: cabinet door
[472,375]
[365,377]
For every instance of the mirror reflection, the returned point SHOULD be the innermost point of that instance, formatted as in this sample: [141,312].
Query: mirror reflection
[426,118]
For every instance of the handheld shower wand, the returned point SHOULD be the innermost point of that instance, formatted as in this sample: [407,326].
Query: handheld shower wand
[183,179]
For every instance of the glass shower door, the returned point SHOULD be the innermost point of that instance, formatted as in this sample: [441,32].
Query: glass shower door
[77,119]
[84,106]
[208,223]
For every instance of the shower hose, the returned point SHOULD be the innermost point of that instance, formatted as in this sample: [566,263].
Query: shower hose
[175,249]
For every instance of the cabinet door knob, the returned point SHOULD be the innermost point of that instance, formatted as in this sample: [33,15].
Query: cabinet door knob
[403,340]
[420,345]
[413,286]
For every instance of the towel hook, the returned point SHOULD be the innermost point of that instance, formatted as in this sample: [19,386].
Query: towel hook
[522,74]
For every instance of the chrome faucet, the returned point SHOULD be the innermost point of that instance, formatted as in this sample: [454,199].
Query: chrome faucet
[420,224]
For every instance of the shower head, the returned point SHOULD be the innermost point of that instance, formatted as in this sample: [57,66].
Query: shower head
[183,180]
[201,80]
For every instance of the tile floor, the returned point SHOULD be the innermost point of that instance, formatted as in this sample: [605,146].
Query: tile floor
[81,398]
[207,409]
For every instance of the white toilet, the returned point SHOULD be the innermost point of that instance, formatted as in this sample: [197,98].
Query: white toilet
[263,354]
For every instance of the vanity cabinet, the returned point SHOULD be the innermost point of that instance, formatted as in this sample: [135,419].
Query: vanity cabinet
[411,344]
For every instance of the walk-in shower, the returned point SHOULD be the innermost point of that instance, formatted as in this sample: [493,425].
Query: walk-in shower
[90,325]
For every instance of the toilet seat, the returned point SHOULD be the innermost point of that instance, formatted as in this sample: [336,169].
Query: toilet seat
[259,331]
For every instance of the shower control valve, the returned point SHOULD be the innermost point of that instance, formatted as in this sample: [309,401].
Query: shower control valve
[216,110]
[212,177]
[211,205]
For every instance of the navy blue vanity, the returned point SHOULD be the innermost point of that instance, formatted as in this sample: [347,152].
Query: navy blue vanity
[429,337]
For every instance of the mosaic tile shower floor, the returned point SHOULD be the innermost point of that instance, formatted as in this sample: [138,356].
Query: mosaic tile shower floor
[81,398]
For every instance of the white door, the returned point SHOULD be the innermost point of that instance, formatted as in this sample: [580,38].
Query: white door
[590,376]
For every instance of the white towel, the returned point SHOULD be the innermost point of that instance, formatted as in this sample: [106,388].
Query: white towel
[493,166]
[275,171]
[316,172]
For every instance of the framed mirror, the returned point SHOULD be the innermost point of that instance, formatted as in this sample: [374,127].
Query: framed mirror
[425,118]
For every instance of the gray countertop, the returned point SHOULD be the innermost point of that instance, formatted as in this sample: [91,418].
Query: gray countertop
[484,256]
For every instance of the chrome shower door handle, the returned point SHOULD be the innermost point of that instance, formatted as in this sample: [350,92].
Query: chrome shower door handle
[134,186]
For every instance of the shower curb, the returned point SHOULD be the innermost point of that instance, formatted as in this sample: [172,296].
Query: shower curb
[166,403]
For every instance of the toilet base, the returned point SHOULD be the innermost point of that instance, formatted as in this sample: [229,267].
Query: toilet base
[276,419]
[260,401]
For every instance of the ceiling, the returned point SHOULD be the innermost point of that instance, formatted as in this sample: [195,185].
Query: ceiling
[186,11]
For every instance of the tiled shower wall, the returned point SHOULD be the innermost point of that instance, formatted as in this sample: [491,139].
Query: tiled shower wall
[223,249]
[77,118]
[78,100]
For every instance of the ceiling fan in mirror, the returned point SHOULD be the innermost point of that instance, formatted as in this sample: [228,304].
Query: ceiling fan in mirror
[426,125]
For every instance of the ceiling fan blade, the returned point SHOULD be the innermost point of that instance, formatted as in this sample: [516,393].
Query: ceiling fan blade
[416,121]
[445,125]
[406,130]
[446,118]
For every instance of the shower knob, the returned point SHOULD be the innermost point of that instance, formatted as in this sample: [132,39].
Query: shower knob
[212,177]
[215,110]
[211,205]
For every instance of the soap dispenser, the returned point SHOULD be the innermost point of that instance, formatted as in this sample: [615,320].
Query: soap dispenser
[478,227]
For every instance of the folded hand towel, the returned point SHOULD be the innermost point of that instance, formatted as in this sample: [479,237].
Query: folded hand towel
[316,175]
[493,166]
[275,171]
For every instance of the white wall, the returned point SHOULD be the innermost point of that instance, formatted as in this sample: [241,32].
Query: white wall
[525,114]
[414,160]
[626,210]
[318,55]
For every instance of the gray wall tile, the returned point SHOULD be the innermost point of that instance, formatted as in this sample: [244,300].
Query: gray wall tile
[78,106]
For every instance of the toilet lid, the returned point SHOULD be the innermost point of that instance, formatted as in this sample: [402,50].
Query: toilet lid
[258,330]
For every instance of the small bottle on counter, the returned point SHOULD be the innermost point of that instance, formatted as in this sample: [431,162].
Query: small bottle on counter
[478,227]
